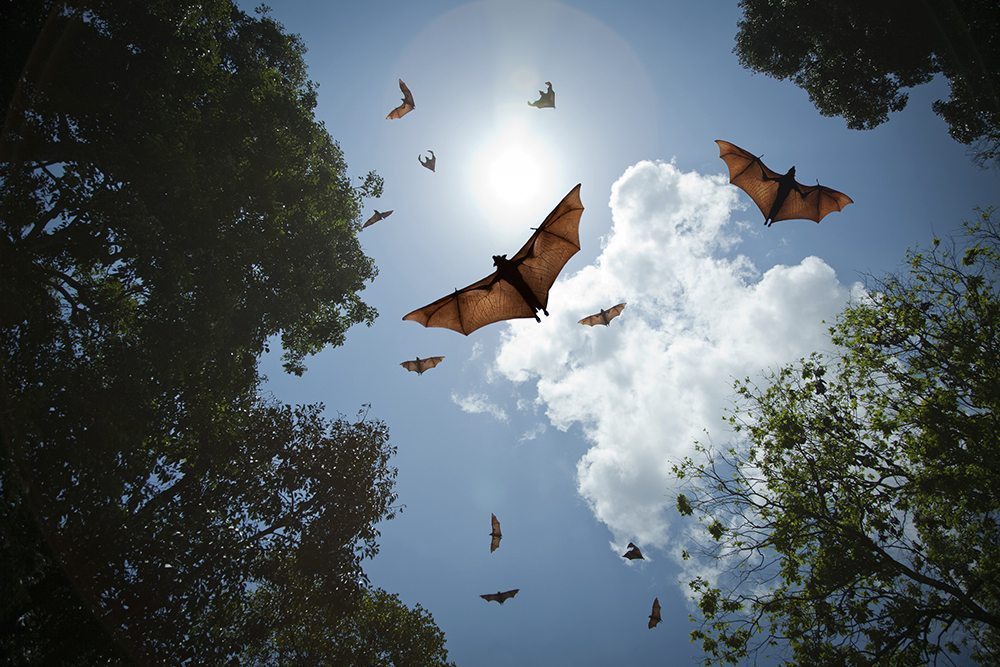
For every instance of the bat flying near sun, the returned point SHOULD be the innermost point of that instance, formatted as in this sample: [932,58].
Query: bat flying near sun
[520,285]
[406,107]
[500,597]
[546,98]
[633,553]
[654,616]
[419,365]
[779,197]
[604,317]
[495,533]
[376,216]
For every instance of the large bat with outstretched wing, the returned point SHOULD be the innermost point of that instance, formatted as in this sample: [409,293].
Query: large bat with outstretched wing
[520,285]
[779,197]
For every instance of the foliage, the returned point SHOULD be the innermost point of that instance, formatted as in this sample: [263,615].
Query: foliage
[168,205]
[859,522]
[856,58]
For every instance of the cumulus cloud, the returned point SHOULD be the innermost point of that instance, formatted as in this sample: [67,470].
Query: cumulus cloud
[646,388]
[479,404]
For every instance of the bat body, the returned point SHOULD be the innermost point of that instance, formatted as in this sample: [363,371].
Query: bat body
[495,533]
[604,317]
[633,553]
[406,107]
[430,162]
[500,597]
[779,197]
[520,285]
[376,216]
[546,98]
[419,365]
[654,616]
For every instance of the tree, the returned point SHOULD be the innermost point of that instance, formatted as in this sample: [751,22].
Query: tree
[859,521]
[168,205]
[856,58]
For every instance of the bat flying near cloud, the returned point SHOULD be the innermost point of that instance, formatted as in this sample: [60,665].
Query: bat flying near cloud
[604,317]
[520,285]
[779,197]
[633,553]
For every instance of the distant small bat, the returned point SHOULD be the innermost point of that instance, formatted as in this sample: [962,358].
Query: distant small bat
[419,365]
[500,597]
[604,317]
[654,616]
[779,197]
[546,98]
[429,162]
[495,534]
[633,553]
[520,285]
[406,107]
[376,216]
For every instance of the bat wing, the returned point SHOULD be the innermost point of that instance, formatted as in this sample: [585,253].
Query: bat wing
[814,203]
[654,616]
[493,300]
[506,595]
[411,365]
[747,172]
[491,597]
[406,107]
[540,260]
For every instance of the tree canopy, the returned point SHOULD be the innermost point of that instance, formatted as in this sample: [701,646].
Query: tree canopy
[168,205]
[859,522]
[857,58]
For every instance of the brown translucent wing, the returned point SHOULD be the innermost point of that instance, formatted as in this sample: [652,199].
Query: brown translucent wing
[495,533]
[815,202]
[376,216]
[406,107]
[654,616]
[540,260]
[484,302]
[746,172]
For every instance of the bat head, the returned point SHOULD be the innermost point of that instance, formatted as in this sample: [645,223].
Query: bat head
[791,172]
[499,259]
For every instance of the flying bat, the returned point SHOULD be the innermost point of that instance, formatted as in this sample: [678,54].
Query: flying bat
[376,216]
[654,616]
[546,98]
[500,597]
[520,285]
[429,162]
[495,534]
[419,365]
[779,197]
[633,553]
[406,107]
[604,317]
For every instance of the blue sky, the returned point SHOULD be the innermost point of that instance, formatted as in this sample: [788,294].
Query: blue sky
[567,433]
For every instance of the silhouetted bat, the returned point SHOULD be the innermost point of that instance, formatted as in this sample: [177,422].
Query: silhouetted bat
[604,317]
[495,534]
[419,365]
[376,216]
[429,162]
[520,285]
[546,98]
[654,616]
[406,107]
[778,197]
[500,597]
[633,552]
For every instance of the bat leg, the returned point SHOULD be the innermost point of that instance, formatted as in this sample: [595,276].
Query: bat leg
[537,318]
[546,312]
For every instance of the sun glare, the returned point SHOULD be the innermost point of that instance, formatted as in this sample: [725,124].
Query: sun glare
[514,168]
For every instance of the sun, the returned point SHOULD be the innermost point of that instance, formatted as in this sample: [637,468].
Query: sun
[514,168]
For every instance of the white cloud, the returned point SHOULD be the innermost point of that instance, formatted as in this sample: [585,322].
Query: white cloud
[645,388]
[533,432]
[479,404]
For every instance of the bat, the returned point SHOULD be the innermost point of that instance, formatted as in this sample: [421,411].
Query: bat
[406,107]
[779,197]
[376,216]
[654,616]
[604,317]
[429,162]
[633,553]
[500,597]
[546,98]
[520,285]
[495,534]
[419,365]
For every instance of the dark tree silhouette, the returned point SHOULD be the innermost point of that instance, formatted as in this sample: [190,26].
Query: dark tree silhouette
[857,58]
[858,522]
